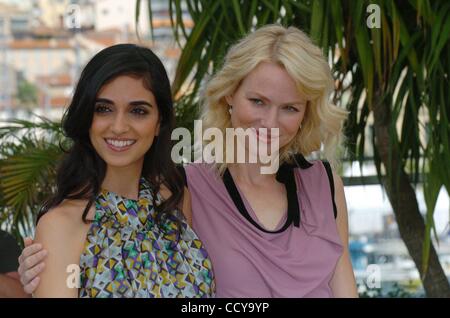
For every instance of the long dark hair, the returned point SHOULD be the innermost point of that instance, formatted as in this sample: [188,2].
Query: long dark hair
[82,171]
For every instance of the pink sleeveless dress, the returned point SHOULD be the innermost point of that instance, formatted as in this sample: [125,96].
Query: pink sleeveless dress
[298,259]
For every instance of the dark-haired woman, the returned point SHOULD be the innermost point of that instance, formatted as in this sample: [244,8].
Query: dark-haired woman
[282,234]
[119,219]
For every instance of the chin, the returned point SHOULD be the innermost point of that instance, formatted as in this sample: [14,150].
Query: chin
[114,163]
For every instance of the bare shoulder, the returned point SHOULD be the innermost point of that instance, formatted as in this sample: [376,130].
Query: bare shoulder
[67,212]
[56,219]
[62,221]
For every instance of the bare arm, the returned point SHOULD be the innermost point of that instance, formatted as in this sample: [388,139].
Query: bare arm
[56,232]
[343,283]
[10,286]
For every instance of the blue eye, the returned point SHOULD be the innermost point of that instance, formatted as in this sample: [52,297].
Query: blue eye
[256,101]
[291,108]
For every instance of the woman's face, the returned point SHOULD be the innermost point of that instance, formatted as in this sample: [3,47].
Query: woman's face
[125,122]
[268,98]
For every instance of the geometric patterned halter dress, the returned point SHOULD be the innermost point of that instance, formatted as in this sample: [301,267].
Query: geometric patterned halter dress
[126,254]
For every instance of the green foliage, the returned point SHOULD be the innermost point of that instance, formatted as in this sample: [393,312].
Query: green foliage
[396,291]
[27,93]
[29,153]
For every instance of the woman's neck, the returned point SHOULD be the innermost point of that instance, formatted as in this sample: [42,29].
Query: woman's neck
[123,180]
[250,173]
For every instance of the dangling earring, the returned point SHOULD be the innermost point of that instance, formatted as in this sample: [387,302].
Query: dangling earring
[230,109]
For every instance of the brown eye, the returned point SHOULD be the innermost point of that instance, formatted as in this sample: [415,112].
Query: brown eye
[101,108]
[139,111]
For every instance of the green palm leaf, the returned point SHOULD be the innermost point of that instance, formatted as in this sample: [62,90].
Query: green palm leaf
[29,153]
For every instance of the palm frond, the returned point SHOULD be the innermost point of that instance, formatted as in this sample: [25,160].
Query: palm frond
[29,153]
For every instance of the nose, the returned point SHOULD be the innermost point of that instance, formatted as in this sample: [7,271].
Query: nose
[120,124]
[270,118]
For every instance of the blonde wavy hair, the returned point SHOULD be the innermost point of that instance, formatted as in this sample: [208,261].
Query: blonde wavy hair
[321,128]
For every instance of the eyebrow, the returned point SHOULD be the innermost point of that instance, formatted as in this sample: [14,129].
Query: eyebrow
[288,103]
[133,103]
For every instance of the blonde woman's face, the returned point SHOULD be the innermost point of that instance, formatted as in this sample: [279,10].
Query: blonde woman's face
[268,98]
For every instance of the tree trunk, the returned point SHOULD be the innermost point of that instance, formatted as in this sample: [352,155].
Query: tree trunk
[403,199]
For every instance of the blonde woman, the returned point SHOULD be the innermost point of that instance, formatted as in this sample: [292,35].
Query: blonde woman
[270,235]
[283,234]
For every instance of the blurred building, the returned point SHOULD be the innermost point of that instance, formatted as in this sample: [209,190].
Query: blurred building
[65,14]
[51,12]
[33,57]
[120,14]
[9,85]
[55,90]
[47,42]
[14,21]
